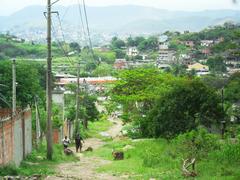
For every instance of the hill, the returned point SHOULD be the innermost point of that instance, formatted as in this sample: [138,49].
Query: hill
[114,19]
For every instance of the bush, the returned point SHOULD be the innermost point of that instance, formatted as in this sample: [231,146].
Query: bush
[9,170]
[229,153]
[133,131]
[196,144]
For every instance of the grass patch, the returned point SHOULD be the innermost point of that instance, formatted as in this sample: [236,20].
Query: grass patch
[96,127]
[144,159]
[150,158]
[36,163]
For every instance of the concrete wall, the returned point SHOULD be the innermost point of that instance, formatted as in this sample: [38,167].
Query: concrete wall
[28,132]
[18,142]
[15,136]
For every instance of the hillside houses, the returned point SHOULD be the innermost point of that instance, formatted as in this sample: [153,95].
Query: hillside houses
[200,69]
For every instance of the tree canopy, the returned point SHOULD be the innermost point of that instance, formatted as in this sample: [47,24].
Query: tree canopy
[30,82]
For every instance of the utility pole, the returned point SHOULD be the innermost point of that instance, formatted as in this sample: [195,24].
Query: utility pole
[49,83]
[14,87]
[38,128]
[77,99]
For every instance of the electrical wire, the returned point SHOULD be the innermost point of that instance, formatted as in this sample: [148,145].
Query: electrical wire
[81,21]
[60,44]
[88,31]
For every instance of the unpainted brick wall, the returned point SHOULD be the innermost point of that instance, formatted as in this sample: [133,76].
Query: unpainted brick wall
[15,136]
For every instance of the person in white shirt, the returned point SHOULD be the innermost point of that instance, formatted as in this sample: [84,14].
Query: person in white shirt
[66,142]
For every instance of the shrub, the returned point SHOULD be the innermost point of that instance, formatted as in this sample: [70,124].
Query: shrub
[229,153]
[196,144]
[9,170]
[133,131]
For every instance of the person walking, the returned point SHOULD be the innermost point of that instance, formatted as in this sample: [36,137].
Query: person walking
[78,142]
[66,142]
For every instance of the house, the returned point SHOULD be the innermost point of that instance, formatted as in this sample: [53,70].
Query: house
[206,51]
[132,51]
[139,63]
[163,66]
[120,64]
[185,59]
[200,69]
[85,81]
[163,42]
[207,43]
[166,57]
[163,45]
[189,43]
[233,59]
[219,40]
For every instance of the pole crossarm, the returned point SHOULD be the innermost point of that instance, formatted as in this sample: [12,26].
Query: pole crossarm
[55,2]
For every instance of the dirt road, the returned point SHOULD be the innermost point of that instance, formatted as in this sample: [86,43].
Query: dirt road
[85,168]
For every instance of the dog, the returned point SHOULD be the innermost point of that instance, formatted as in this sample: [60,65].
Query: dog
[89,149]
[118,155]
[68,152]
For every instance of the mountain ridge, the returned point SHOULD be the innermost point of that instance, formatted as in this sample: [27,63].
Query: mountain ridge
[126,19]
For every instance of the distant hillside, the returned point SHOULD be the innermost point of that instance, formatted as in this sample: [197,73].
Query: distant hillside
[117,19]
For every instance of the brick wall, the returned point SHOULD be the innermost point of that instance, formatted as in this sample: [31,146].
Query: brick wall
[15,136]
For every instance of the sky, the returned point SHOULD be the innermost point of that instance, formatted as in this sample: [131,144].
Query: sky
[8,7]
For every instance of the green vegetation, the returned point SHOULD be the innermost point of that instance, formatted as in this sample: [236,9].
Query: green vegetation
[87,111]
[37,164]
[161,105]
[30,82]
[162,159]
[12,47]
[95,128]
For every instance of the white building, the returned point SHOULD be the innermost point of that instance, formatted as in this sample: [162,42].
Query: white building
[163,46]
[207,43]
[166,57]
[132,51]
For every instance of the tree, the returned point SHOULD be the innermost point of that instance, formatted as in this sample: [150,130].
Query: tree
[29,80]
[161,104]
[187,105]
[217,64]
[103,70]
[117,43]
[87,110]
[130,42]
[138,88]
[75,47]
[232,89]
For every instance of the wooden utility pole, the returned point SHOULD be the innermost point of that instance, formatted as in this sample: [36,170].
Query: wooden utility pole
[77,99]
[14,87]
[49,83]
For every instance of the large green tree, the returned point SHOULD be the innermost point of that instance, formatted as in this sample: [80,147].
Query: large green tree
[187,105]
[30,82]
[164,105]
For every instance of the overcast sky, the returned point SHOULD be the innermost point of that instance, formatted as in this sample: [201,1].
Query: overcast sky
[9,6]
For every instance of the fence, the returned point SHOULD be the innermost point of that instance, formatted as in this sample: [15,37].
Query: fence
[66,130]
[15,136]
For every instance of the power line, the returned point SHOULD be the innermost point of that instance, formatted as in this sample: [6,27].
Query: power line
[88,31]
[81,20]
[60,44]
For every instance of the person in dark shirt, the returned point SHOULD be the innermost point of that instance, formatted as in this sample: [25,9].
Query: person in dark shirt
[78,142]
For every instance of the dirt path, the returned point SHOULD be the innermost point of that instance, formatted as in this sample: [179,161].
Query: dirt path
[85,168]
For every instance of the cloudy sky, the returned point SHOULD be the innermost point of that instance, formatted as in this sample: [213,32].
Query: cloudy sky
[9,6]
